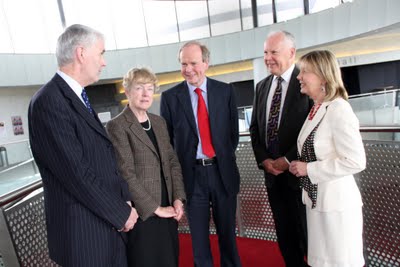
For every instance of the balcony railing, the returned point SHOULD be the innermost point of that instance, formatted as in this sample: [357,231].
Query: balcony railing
[23,210]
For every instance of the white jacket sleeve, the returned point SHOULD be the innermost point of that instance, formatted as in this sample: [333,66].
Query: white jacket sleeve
[338,145]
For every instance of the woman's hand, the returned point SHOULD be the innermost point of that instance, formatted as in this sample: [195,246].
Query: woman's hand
[178,205]
[298,168]
[165,212]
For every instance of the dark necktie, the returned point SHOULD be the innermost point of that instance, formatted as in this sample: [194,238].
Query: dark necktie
[204,126]
[273,119]
[86,100]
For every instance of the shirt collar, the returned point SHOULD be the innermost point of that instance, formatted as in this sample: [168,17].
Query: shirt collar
[203,86]
[287,74]
[75,86]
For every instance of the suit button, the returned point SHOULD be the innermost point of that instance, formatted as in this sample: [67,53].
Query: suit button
[166,178]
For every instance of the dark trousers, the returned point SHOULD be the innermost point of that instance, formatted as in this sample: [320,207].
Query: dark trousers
[209,192]
[290,221]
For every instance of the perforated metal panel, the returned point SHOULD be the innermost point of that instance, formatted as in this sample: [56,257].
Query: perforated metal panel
[26,223]
[256,214]
[379,185]
[380,189]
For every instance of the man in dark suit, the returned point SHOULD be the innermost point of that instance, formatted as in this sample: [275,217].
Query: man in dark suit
[278,115]
[202,120]
[85,198]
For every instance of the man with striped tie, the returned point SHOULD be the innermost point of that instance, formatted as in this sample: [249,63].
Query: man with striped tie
[279,111]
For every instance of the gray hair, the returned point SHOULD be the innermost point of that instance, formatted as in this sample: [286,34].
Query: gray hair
[287,35]
[74,36]
[139,75]
[205,53]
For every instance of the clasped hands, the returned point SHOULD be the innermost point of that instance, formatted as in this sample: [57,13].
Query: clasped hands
[279,165]
[175,211]
[298,168]
[132,219]
[276,166]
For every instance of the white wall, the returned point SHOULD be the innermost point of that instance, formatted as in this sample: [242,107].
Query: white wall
[15,102]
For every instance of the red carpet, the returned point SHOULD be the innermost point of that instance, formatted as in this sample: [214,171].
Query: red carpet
[253,252]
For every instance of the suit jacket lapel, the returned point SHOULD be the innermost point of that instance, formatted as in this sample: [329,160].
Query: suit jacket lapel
[157,132]
[184,99]
[80,108]
[291,94]
[137,129]
[212,100]
[264,92]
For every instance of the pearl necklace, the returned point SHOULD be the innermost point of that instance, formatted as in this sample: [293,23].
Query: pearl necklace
[148,128]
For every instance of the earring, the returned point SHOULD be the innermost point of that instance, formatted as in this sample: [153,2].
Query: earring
[323,88]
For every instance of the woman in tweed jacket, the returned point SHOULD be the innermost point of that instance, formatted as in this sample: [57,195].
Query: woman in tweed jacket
[148,162]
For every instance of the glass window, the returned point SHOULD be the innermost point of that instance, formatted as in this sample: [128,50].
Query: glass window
[247,16]
[224,16]
[5,44]
[318,5]
[33,25]
[192,19]
[289,9]
[160,22]
[264,12]
[129,24]
[92,13]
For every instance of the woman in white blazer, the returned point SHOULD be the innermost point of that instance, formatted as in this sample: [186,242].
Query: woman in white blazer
[330,151]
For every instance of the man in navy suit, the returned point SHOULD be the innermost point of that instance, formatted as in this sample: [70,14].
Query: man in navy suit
[86,201]
[283,188]
[209,167]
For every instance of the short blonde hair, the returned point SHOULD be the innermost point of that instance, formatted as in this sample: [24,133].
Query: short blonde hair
[139,76]
[324,64]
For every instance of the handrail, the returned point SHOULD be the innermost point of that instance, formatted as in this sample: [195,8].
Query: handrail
[380,128]
[25,190]
[244,134]
[383,91]
[15,142]
[363,129]
[20,193]
[17,165]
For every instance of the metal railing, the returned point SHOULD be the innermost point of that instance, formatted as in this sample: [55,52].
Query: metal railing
[379,186]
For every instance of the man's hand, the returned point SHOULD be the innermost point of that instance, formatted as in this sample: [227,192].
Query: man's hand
[280,164]
[269,167]
[165,212]
[298,168]
[178,205]
[131,221]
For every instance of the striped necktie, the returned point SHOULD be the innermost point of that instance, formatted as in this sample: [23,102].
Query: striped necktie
[86,100]
[273,119]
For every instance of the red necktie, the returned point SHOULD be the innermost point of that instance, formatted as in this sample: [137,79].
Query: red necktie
[204,126]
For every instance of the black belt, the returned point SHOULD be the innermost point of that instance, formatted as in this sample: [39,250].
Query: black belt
[206,162]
